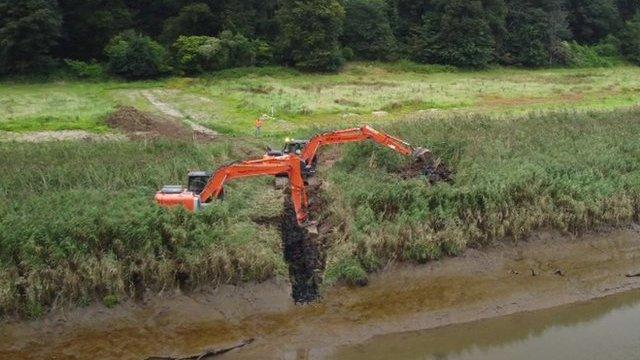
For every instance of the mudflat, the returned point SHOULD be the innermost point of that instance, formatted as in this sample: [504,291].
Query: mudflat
[547,270]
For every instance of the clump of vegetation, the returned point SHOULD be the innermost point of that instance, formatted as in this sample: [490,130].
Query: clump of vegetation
[197,54]
[583,56]
[136,56]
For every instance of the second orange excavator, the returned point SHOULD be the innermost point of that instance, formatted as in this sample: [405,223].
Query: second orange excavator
[308,149]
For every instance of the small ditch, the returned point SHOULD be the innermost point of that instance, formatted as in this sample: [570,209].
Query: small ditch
[304,252]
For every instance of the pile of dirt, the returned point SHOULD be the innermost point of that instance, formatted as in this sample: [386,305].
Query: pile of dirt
[138,124]
[435,171]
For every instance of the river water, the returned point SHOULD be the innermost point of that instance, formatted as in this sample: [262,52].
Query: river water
[607,328]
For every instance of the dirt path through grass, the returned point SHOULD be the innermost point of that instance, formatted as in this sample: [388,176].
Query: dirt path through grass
[175,113]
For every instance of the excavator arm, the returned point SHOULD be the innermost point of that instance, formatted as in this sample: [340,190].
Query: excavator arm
[357,135]
[288,164]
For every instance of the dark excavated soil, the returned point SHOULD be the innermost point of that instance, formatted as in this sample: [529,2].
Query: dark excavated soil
[435,171]
[304,252]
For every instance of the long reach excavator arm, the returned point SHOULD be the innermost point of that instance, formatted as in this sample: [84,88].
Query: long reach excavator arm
[308,149]
[203,187]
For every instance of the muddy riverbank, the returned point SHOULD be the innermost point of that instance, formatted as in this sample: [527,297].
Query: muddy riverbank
[546,271]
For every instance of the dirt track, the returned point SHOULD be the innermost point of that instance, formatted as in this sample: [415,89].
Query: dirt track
[547,271]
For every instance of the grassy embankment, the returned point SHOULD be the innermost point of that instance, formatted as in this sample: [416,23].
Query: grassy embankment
[77,223]
[229,101]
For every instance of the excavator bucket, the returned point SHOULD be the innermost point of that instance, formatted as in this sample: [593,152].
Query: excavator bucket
[422,155]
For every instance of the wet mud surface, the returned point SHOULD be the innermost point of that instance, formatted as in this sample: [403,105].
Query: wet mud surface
[546,271]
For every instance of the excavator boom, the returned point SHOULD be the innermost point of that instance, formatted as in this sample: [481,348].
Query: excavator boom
[354,135]
[291,165]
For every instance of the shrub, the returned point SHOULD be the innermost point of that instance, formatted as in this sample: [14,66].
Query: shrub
[135,56]
[586,56]
[197,54]
[83,70]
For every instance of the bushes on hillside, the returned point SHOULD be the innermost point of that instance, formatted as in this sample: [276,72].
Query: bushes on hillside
[197,54]
[310,32]
[368,31]
[630,40]
[456,33]
[535,34]
[193,19]
[135,56]
[28,31]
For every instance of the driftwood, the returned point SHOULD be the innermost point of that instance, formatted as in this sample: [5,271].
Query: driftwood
[204,355]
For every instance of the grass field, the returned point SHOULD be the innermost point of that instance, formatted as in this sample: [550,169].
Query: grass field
[229,101]
[78,223]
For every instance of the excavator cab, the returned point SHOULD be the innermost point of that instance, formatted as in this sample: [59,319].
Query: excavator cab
[291,146]
[197,181]
[294,147]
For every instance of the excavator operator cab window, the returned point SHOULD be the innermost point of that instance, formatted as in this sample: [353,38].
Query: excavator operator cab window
[294,147]
[197,181]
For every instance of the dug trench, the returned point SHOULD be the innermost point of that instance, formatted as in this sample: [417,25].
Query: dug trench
[305,248]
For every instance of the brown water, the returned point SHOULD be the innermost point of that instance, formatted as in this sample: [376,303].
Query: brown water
[607,328]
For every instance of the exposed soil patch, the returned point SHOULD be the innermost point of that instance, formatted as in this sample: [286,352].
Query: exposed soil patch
[304,250]
[142,125]
[498,101]
[62,135]
[435,171]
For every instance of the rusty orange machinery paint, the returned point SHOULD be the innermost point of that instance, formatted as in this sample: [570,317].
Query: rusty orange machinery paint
[354,135]
[186,199]
[289,164]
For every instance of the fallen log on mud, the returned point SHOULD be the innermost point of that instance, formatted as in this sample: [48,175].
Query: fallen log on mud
[207,354]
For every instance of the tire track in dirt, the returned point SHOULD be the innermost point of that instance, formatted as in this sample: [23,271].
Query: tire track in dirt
[175,113]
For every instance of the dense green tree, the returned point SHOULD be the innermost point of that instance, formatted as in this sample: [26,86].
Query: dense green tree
[28,31]
[135,56]
[536,30]
[149,16]
[592,20]
[628,8]
[310,32]
[408,19]
[456,32]
[367,30]
[193,19]
[630,39]
[88,25]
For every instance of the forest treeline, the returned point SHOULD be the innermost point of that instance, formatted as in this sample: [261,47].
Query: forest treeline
[148,38]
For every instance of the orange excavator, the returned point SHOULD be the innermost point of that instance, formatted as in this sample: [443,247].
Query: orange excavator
[203,186]
[308,149]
